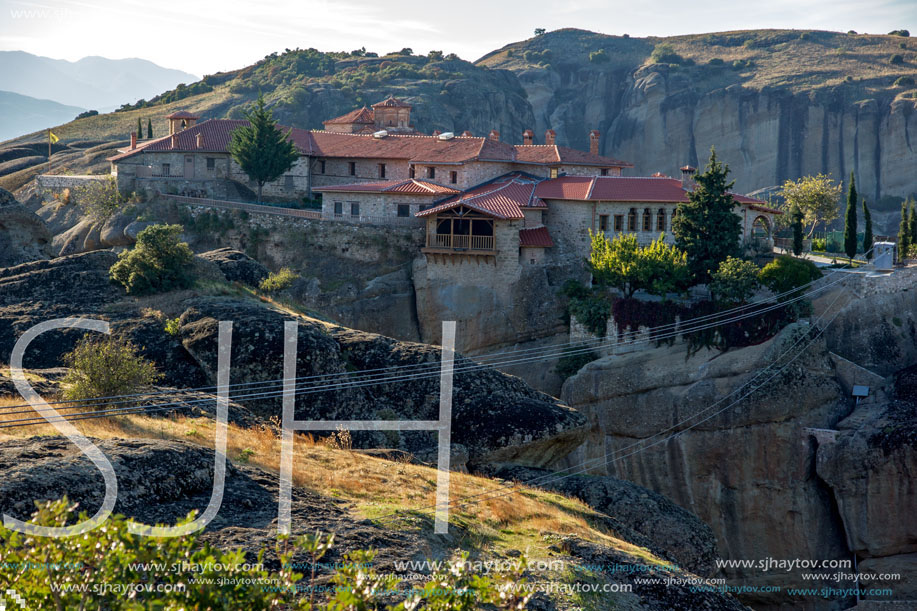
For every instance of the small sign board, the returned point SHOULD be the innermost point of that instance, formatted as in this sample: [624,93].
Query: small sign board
[860,391]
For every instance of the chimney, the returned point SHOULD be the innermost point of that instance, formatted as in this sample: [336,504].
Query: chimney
[174,141]
[494,135]
[549,137]
[687,177]
[467,134]
[528,137]
[199,140]
[133,140]
[594,141]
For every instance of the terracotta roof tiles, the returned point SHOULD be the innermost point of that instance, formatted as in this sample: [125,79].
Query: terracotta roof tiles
[409,187]
[535,237]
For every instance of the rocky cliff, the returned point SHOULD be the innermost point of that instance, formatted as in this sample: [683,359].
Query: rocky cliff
[776,459]
[776,104]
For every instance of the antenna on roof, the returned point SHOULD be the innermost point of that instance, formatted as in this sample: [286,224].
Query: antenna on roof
[446,136]
[380,134]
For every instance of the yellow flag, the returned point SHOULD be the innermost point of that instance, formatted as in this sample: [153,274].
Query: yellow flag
[52,137]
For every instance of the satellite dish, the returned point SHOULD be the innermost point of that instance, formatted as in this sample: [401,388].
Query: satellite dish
[380,134]
[446,136]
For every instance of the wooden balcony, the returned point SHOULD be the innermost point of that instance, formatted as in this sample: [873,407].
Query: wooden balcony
[447,243]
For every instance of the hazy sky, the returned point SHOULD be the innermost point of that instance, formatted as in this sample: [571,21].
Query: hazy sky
[205,36]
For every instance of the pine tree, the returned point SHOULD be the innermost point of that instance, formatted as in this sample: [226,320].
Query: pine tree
[867,231]
[797,217]
[904,232]
[149,128]
[850,220]
[706,227]
[260,149]
[139,129]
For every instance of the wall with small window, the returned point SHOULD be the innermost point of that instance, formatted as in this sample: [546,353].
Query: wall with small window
[378,208]
[334,171]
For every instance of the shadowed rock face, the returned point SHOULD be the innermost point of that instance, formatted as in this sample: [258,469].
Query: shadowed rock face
[870,467]
[495,416]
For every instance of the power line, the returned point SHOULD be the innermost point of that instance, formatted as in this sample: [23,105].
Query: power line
[357,382]
[652,332]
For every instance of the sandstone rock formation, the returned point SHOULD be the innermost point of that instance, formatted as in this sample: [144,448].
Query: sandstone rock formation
[870,466]
[23,236]
[495,417]
[749,471]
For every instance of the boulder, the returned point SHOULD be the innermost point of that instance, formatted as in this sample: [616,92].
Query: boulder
[664,527]
[112,233]
[23,235]
[237,266]
[495,417]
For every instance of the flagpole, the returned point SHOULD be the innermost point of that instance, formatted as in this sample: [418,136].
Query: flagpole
[49,150]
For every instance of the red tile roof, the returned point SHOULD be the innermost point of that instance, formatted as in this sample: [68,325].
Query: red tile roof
[622,189]
[415,148]
[503,198]
[411,187]
[537,237]
[361,115]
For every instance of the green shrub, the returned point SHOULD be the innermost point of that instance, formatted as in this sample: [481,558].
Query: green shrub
[599,57]
[98,199]
[734,281]
[896,60]
[106,366]
[904,33]
[787,273]
[664,53]
[715,61]
[173,327]
[111,556]
[279,280]
[904,81]
[158,262]
[819,244]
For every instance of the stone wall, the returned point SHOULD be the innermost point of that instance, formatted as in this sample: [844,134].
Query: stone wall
[376,207]
[50,183]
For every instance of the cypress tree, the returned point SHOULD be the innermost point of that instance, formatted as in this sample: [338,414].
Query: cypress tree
[149,128]
[867,231]
[850,220]
[139,129]
[912,223]
[904,232]
[797,231]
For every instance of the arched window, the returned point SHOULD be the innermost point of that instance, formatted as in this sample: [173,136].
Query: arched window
[632,220]
[647,220]
[660,220]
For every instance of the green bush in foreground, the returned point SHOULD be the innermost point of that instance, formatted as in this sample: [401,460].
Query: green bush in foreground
[734,281]
[108,568]
[159,262]
[106,366]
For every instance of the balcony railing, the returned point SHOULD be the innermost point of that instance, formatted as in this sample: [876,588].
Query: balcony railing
[448,241]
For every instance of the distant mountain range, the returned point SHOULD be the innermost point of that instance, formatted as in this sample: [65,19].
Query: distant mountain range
[21,114]
[95,83]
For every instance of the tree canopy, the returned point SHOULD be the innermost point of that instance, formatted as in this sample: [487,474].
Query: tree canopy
[816,197]
[622,263]
[260,149]
[705,227]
